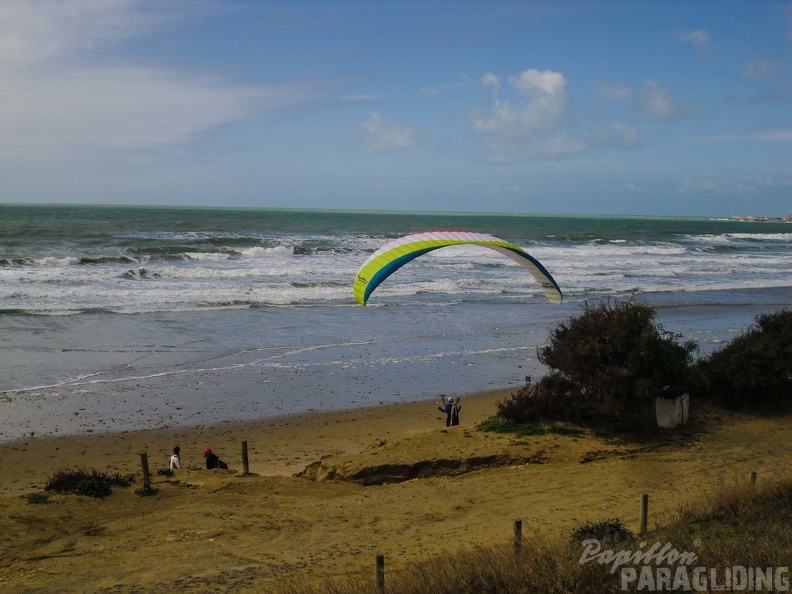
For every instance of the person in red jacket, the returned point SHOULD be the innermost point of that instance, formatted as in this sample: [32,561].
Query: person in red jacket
[212,461]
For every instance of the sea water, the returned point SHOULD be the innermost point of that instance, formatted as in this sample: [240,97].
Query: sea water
[130,317]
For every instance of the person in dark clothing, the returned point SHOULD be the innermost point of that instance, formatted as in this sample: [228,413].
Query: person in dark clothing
[448,408]
[455,413]
[212,461]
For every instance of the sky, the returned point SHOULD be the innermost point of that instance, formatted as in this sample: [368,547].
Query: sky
[662,108]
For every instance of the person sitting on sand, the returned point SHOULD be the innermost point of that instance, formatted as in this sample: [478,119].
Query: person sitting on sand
[175,459]
[448,408]
[212,461]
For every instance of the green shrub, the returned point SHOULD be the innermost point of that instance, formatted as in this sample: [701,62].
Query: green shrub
[558,429]
[37,498]
[84,481]
[611,531]
[145,491]
[552,398]
[753,369]
[616,352]
[498,424]
[605,367]
[92,487]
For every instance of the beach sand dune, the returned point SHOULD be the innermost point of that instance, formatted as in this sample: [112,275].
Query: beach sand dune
[390,479]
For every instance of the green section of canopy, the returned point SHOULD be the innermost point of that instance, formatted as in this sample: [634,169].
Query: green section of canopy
[399,252]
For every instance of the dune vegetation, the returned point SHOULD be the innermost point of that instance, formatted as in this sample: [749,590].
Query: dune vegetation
[741,525]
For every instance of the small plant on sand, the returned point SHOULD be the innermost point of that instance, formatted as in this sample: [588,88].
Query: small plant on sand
[92,487]
[499,424]
[37,498]
[611,531]
[164,472]
[84,481]
[145,491]
[560,429]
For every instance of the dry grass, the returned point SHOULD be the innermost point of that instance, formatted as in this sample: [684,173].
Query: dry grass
[737,524]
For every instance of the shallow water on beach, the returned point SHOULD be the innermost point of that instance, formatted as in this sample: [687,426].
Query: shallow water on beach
[108,372]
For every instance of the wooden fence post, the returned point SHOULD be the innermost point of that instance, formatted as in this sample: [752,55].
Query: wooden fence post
[644,513]
[245,465]
[517,535]
[381,574]
[753,477]
[146,473]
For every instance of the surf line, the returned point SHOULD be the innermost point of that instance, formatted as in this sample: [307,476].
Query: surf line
[81,381]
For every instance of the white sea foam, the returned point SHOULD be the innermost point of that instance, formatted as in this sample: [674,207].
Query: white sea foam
[263,252]
[728,238]
[207,255]
[321,272]
[55,261]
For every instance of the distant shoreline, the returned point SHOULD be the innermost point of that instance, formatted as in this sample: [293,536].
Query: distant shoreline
[758,219]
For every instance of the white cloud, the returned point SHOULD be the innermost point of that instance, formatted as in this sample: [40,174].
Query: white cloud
[535,82]
[614,92]
[659,103]
[68,92]
[698,37]
[491,80]
[382,137]
[758,69]
[34,33]
[534,125]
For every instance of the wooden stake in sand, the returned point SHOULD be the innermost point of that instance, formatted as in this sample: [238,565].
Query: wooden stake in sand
[517,535]
[753,477]
[245,465]
[644,513]
[146,473]
[381,574]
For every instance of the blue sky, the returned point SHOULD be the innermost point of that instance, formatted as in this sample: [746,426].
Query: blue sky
[654,108]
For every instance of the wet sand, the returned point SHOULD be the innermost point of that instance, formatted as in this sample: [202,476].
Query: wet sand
[278,446]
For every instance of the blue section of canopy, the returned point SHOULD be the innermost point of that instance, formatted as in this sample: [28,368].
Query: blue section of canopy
[538,265]
[392,267]
[391,257]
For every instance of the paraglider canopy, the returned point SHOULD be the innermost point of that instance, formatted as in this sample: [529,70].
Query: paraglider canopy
[395,254]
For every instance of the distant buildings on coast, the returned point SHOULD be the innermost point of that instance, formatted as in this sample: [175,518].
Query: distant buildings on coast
[786,219]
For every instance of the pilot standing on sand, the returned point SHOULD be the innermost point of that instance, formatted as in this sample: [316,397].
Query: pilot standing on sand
[448,408]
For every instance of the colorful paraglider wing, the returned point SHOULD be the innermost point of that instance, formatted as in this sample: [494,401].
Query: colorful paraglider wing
[392,256]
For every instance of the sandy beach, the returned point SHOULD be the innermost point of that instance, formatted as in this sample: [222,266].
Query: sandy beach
[431,490]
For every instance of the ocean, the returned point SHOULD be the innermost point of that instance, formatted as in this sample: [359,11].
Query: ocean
[115,318]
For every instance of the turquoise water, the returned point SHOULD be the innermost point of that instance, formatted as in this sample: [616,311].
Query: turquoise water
[58,260]
[137,317]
